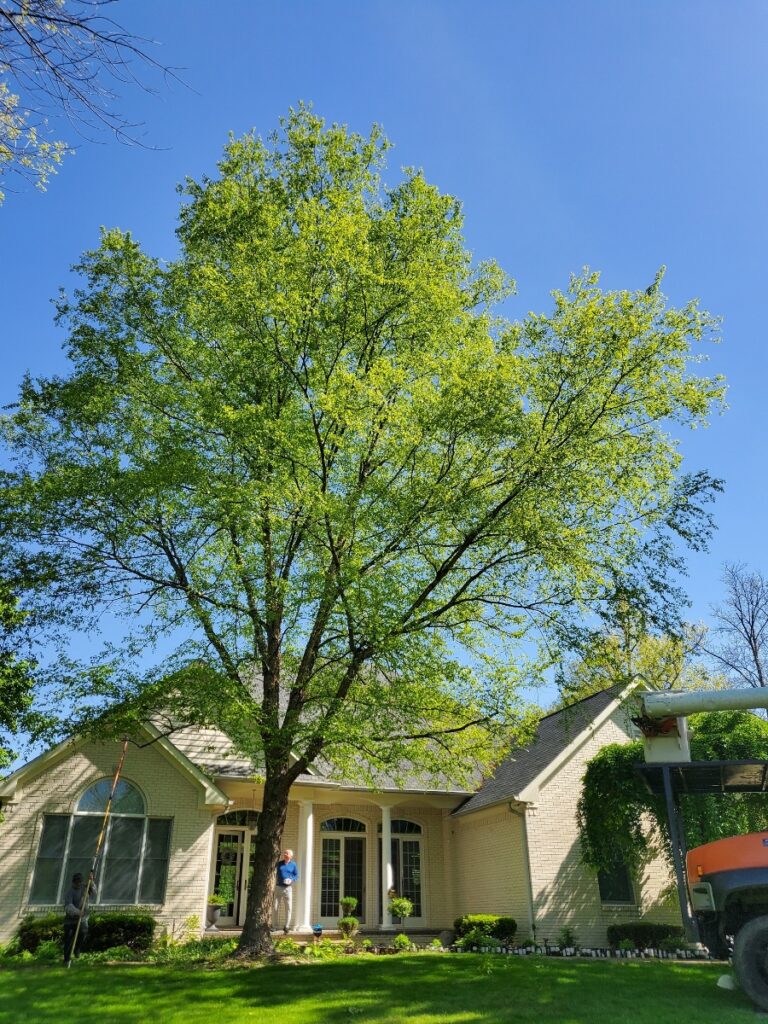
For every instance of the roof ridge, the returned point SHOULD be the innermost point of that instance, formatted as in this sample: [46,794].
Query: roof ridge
[582,700]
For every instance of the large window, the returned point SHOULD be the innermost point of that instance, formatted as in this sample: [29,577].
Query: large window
[134,864]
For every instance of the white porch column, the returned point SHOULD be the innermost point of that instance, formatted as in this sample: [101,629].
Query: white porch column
[386,867]
[307,844]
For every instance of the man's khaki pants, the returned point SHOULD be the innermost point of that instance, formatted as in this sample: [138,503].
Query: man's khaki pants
[284,897]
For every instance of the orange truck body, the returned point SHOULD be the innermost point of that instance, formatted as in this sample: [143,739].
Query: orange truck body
[750,851]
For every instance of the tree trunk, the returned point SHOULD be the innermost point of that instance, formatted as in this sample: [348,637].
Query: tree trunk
[256,939]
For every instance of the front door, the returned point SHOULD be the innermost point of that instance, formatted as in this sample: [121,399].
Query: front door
[228,874]
[342,874]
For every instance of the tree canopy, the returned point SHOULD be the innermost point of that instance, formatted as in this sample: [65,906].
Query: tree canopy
[310,465]
[16,680]
[619,820]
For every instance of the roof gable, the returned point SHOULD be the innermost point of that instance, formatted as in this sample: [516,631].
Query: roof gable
[556,735]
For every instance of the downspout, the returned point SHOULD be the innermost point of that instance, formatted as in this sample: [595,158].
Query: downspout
[519,810]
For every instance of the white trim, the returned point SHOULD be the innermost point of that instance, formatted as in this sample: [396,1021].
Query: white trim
[211,795]
[531,792]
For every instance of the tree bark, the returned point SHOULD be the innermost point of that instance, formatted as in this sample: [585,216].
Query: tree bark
[256,939]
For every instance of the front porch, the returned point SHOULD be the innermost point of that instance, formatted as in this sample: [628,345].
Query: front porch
[344,845]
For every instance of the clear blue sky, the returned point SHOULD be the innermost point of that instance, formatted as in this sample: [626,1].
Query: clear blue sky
[619,135]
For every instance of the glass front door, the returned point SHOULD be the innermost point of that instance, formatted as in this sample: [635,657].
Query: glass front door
[228,875]
[342,874]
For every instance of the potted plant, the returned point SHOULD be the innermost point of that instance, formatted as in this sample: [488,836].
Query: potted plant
[215,903]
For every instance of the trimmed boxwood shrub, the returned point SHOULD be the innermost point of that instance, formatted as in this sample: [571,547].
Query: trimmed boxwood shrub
[643,934]
[105,931]
[44,928]
[496,925]
[121,929]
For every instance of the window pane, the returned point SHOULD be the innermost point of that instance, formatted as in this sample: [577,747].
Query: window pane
[330,884]
[121,865]
[615,885]
[127,799]
[404,827]
[354,873]
[45,884]
[82,847]
[411,881]
[155,869]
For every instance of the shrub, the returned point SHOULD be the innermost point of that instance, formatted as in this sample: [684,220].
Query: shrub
[121,929]
[480,938]
[400,906]
[36,929]
[348,926]
[348,904]
[49,949]
[210,949]
[288,947]
[643,934]
[566,937]
[503,928]
[627,944]
[402,943]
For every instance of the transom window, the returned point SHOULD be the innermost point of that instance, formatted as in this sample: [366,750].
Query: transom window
[134,865]
[342,825]
[246,818]
[402,827]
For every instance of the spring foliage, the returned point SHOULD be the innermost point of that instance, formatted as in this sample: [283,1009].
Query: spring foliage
[619,820]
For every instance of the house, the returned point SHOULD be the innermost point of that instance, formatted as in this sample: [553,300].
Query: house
[186,810]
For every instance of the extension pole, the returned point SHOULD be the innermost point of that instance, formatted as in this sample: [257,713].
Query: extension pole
[97,855]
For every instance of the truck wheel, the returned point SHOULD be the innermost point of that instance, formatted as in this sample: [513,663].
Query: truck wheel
[750,958]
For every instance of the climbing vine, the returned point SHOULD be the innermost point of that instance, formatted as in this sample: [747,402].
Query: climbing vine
[619,820]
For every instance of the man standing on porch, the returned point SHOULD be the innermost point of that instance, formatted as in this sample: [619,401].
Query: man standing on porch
[287,877]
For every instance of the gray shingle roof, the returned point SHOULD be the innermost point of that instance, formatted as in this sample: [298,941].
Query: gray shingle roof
[554,733]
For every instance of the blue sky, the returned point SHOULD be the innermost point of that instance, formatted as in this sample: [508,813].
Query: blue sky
[619,135]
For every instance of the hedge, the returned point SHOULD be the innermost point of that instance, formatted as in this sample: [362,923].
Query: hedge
[496,925]
[105,930]
[644,934]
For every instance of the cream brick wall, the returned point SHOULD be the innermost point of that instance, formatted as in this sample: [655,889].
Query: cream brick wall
[565,891]
[489,866]
[167,792]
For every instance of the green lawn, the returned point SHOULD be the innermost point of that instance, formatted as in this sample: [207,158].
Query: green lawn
[421,989]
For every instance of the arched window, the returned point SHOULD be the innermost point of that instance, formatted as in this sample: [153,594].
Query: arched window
[127,799]
[242,818]
[401,827]
[342,866]
[342,825]
[134,862]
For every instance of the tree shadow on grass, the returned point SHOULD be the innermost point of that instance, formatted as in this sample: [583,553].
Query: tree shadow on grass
[421,990]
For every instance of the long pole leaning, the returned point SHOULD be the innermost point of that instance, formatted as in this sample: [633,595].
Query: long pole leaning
[96,863]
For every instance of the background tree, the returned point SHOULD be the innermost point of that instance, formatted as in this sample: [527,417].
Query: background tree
[739,645]
[619,820]
[309,460]
[623,652]
[15,676]
[62,57]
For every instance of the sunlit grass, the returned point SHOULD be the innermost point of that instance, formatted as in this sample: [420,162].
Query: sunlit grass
[421,989]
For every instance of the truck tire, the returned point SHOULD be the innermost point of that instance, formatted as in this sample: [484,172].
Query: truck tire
[750,959]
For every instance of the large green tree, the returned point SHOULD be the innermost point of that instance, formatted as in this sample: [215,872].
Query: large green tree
[309,459]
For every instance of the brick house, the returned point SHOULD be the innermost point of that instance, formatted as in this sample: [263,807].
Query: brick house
[186,810]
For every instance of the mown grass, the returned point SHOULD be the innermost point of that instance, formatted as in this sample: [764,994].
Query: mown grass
[420,989]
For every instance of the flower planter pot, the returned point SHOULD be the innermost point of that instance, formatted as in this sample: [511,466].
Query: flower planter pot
[212,916]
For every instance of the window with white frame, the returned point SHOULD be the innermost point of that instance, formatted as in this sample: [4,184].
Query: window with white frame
[134,865]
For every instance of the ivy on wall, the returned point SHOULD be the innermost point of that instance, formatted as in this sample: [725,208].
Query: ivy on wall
[619,820]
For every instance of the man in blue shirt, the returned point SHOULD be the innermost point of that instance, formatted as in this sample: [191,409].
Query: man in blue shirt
[287,877]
